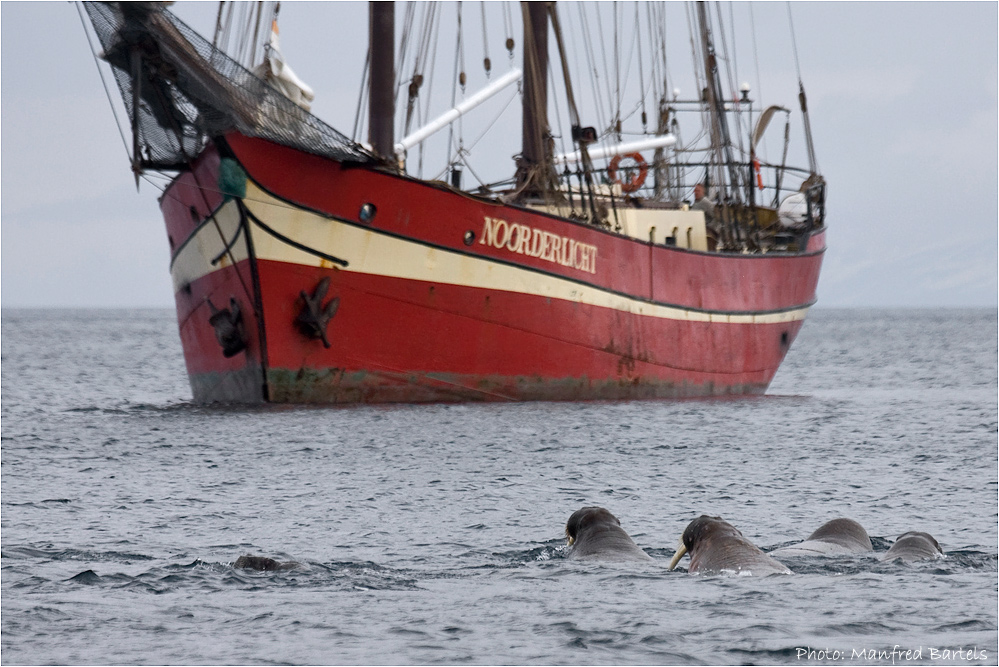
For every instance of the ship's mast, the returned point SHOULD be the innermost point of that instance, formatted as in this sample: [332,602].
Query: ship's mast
[381,82]
[721,142]
[535,174]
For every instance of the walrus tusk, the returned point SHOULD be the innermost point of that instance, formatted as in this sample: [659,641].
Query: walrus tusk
[681,551]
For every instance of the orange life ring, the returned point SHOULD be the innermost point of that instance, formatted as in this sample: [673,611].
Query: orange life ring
[636,180]
[759,176]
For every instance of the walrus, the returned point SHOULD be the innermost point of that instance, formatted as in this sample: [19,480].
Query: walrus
[833,538]
[913,546]
[262,563]
[595,534]
[716,546]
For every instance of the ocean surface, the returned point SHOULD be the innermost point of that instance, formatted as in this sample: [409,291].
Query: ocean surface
[434,534]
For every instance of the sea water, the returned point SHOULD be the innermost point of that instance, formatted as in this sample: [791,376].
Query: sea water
[434,534]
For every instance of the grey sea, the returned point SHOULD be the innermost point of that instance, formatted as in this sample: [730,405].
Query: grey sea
[435,534]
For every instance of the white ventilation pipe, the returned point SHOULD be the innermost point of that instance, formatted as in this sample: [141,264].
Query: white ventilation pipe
[597,153]
[449,117]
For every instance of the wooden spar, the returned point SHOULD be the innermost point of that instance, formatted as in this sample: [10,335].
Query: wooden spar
[535,162]
[583,155]
[136,97]
[808,128]
[660,168]
[720,140]
[381,82]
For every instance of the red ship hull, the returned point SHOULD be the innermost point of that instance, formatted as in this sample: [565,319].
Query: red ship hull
[447,297]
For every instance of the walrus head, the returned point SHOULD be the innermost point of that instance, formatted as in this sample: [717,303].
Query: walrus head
[915,534]
[701,528]
[717,546]
[914,546]
[261,563]
[845,532]
[586,517]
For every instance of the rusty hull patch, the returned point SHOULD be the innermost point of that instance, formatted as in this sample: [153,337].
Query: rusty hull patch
[336,386]
[243,386]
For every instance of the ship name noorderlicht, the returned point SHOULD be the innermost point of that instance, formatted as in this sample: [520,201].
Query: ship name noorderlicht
[525,240]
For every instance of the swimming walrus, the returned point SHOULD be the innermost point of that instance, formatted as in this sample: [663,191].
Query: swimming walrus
[717,546]
[833,538]
[262,563]
[913,546]
[595,534]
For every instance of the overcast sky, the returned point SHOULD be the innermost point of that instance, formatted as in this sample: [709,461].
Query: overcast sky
[902,97]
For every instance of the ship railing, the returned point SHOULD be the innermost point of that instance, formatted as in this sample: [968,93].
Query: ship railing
[779,183]
[788,209]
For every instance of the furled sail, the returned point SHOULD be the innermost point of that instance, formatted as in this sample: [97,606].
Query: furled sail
[279,74]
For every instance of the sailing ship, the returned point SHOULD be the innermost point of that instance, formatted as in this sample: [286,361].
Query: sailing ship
[311,267]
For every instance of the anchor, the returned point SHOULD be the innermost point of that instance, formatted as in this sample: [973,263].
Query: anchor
[228,325]
[315,317]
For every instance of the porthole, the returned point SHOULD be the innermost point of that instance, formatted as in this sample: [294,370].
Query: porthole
[367,213]
[469,237]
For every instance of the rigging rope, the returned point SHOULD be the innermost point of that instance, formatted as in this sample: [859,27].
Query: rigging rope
[434,35]
[419,65]
[812,163]
[403,52]
[730,72]
[558,114]
[252,26]
[464,152]
[107,92]
[361,97]
[241,9]
[514,95]
[794,42]
[461,53]
[666,77]
[603,53]
[592,69]
[756,61]
[218,24]
[657,46]
[699,75]
[426,46]
[735,47]
[617,74]
[723,56]
[459,58]
[641,75]
[508,24]
[627,73]
[486,62]
[224,30]
[252,46]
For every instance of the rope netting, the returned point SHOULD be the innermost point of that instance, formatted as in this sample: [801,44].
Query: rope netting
[185,91]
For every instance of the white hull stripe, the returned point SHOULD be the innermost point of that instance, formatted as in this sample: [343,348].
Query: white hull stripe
[379,254]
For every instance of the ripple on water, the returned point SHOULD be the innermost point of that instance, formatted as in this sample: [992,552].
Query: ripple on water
[435,534]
